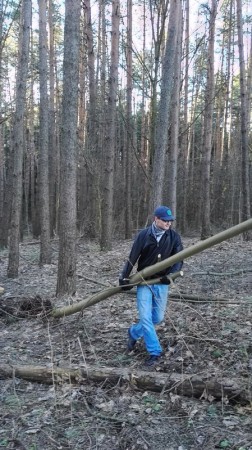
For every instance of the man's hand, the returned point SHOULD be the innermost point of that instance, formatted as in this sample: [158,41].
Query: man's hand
[165,279]
[125,284]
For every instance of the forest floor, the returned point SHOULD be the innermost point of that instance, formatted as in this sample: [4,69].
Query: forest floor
[206,338]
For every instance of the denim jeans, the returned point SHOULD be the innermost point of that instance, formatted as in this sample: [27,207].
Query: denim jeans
[151,305]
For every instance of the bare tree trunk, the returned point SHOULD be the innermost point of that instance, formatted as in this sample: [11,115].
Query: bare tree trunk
[245,213]
[249,84]
[102,71]
[129,125]
[83,160]
[108,200]
[45,250]
[66,281]
[24,228]
[164,106]
[2,157]
[18,138]
[53,148]
[174,142]
[160,10]
[224,144]
[88,172]
[208,122]
[32,155]
[185,132]
[7,169]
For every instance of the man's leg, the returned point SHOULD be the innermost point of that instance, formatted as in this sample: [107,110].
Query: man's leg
[145,327]
[160,298]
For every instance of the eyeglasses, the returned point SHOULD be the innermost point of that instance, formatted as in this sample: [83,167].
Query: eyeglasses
[163,220]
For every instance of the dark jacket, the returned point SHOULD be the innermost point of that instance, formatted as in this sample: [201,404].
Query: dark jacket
[147,251]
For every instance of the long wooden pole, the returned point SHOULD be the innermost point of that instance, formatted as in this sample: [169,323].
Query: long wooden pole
[193,250]
[151,270]
[184,384]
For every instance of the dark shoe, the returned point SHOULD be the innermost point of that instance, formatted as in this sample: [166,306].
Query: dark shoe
[131,342]
[153,360]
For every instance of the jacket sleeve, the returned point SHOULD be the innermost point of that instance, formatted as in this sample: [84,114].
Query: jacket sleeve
[178,247]
[133,256]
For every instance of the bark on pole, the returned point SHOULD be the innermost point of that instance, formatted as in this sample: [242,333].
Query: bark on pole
[151,270]
[190,385]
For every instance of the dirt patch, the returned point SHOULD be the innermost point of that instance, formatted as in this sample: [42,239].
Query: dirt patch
[209,339]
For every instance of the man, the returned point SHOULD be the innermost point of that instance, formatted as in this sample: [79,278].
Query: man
[152,245]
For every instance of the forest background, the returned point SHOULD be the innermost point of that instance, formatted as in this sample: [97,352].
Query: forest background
[109,108]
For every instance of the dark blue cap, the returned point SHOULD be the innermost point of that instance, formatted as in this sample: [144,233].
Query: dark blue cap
[164,213]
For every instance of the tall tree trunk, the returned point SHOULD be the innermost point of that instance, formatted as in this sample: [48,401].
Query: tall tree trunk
[45,250]
[174,142]
[2,158]
[129,125]
[208,122]
[225,149]
[53,148]
[83,171]
[91,75]
[158,39]
[91,143]
[185,132]
[24,228]
[66,281]
[34,208]
[102,113]
[109,144]
[249,84]
[18,137]
[164,106]
[245,212]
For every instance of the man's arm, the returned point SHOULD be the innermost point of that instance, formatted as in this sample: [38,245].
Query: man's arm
[133,256]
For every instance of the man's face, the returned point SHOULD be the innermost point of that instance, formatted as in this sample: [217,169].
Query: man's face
[163,224]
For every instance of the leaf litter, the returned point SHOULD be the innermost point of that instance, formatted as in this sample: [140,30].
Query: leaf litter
[199,338]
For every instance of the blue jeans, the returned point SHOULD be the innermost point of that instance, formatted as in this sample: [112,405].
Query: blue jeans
[151,305]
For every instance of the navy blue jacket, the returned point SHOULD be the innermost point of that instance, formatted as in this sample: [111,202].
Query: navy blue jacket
[147,251]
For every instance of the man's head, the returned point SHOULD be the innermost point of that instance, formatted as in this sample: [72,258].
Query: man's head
[163,217]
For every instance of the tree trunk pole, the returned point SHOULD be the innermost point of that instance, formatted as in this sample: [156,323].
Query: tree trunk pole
[193,250]
[190,385]
[151,270]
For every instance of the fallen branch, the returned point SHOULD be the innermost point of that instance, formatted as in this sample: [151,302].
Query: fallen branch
[182,297]
[183,384]
[93,281]
[222,274]
[144,274]
[97,297]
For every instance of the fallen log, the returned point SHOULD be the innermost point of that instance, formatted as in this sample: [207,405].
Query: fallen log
[188,385]
[222,274]
[196,298]
[144,274]
[181,296]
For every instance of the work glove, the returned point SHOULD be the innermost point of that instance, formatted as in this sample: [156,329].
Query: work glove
[125,284]
[165,279]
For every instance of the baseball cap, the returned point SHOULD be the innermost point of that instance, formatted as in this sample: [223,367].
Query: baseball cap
[164,213]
